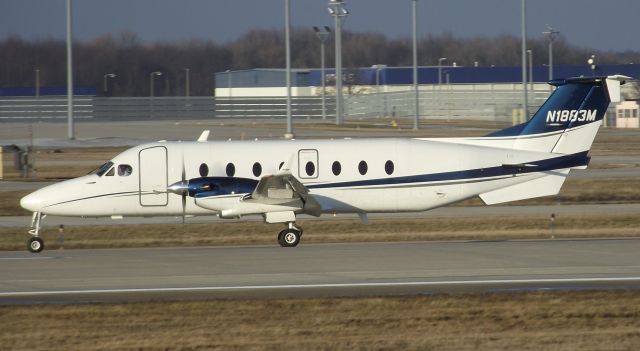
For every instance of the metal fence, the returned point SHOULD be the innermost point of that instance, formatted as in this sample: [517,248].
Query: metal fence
[447,103]
[160,108]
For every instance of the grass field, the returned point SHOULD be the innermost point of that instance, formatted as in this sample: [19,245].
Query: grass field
[258,233]
[582,320]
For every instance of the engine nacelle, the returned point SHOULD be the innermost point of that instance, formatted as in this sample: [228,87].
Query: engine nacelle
[215,186]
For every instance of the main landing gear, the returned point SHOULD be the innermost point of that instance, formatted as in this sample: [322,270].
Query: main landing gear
[35,244]
[290,236]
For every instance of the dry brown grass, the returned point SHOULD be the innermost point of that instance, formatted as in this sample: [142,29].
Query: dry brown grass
[253,233]
[10,203]
[581,320]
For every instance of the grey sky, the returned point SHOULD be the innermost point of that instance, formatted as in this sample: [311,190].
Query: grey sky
[599,24]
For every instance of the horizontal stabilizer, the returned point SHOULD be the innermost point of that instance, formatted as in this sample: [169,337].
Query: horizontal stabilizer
[544,186]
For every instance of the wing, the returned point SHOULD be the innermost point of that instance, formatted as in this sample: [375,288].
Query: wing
[284,189]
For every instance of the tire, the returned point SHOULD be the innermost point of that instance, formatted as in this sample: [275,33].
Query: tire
[290,238]
[35,245]
[280,238]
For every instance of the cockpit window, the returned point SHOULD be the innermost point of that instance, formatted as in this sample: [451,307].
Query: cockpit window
[111,172]
[104,168]
[124,170]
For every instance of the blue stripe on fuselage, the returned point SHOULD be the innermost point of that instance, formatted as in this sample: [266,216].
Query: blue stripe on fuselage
[562,162]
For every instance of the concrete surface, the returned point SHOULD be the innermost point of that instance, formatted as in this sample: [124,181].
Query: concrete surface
[317,270]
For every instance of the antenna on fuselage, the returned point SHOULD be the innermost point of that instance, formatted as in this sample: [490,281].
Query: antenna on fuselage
[204,136]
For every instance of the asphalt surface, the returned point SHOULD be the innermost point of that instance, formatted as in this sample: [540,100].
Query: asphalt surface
[321,270]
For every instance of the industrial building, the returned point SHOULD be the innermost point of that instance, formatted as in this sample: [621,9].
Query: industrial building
[380,78]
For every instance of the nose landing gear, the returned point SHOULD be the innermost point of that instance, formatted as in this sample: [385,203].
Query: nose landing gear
[35,244]
[290,236]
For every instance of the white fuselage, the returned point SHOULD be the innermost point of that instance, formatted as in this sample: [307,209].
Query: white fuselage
[401,175]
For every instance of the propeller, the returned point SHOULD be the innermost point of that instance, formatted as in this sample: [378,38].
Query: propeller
[184,191]
[181,188]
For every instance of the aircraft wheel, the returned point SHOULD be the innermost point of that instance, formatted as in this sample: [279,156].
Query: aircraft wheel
[35,245]
[290,238]
[280,238]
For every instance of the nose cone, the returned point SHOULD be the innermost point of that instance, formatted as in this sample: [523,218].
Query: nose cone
[31,202]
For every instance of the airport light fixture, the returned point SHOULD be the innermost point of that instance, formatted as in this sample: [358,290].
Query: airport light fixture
[339,12]
[323,35]
[151,85]
[592,62]
[105,83]
[440,60]
[551,35]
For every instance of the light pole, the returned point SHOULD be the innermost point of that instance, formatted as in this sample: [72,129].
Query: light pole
[323,35]
[70,127]
[530,53]
[440,69]
[287,40]
[378,68]
[187,86]
[550,34]
[525,98]
[414,27]
[105,83]
[37,91]
[592,62]
[229,82]
[151,85]
[37,82]
[339,12]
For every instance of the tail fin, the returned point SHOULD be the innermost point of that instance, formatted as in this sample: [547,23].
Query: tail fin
[568,121]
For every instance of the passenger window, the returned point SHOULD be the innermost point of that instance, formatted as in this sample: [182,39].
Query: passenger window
[388,167]
[231,170]
[111,172]
[124,170]
[257,169]
[363,168]
[203,170]
[310,168]
[336,168]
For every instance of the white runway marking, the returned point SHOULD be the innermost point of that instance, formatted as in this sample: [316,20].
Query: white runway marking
[315,286]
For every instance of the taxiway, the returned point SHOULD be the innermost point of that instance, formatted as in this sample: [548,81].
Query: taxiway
[361,269]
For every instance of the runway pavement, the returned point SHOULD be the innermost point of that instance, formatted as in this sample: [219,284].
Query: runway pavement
[317,270]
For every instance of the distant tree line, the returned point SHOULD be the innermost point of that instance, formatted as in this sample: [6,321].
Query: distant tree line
[132,60]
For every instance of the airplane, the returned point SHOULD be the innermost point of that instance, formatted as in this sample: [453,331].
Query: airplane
[282,179]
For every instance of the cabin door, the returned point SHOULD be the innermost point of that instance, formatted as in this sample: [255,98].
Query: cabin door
[308,164]
[153,176]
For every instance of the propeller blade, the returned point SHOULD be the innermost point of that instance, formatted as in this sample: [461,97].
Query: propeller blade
[184,206]
[185,191]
